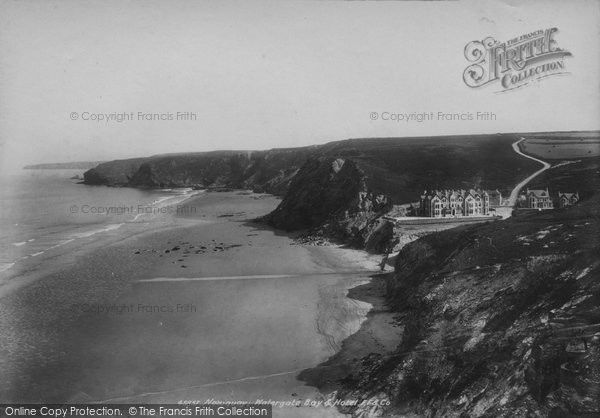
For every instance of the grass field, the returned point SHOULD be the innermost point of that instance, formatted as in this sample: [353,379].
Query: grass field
[562,145]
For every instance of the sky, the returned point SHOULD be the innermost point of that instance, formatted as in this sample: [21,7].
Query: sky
[270,74]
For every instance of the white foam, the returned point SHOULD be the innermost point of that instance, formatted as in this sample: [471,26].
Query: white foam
[159,200]
[18,244]
[109,227]
[201,279]
[5,266]
[175,197]
[61,244]
[68,240]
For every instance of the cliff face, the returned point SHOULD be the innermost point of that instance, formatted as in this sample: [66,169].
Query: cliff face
[324,187]
[331,193]
[269,171]
[498,320]
[113,173]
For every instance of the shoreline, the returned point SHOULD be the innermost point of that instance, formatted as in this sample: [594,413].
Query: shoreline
[28,268]
[43,311]
[378,336]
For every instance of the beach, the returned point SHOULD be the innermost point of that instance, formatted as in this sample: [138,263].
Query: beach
[207,306]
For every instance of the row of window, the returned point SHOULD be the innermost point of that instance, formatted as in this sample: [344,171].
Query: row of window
[460,199]
[471,204]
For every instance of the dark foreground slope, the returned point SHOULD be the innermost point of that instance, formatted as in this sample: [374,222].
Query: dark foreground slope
[498,320]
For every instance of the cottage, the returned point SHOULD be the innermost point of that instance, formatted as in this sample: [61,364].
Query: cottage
[538,199]
[452,203]
[567,199]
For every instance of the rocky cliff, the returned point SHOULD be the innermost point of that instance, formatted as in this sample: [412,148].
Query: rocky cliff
[495,320]
[113,173]
[331,193]
[269,171]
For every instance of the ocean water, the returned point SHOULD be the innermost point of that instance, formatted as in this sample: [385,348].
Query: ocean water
[44,209]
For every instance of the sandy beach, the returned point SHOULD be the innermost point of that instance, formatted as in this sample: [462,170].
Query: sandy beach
[208,306]
[378,337]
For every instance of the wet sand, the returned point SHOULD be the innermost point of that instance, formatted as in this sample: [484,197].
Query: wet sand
[212,307]
[379,335]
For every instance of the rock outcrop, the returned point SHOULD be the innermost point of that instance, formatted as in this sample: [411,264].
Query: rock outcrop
[113,173]
[381,237]
[333,195]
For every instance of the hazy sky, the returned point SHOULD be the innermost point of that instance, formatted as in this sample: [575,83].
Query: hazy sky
[270,74]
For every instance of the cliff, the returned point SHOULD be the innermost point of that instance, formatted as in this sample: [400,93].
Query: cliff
[260,170]
[268,171]
[400,168]
[113,173]
[331,193]
[495,320]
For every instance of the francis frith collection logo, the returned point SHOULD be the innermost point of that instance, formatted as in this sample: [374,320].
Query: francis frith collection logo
[516,62]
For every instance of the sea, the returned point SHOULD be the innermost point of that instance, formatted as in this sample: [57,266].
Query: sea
[41,210]
[247,337]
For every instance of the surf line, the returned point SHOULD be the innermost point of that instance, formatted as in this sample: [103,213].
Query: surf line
[249,277]
[224,382]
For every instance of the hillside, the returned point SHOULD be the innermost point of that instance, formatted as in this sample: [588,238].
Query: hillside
[494,320]
[400,168]
[582,176]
